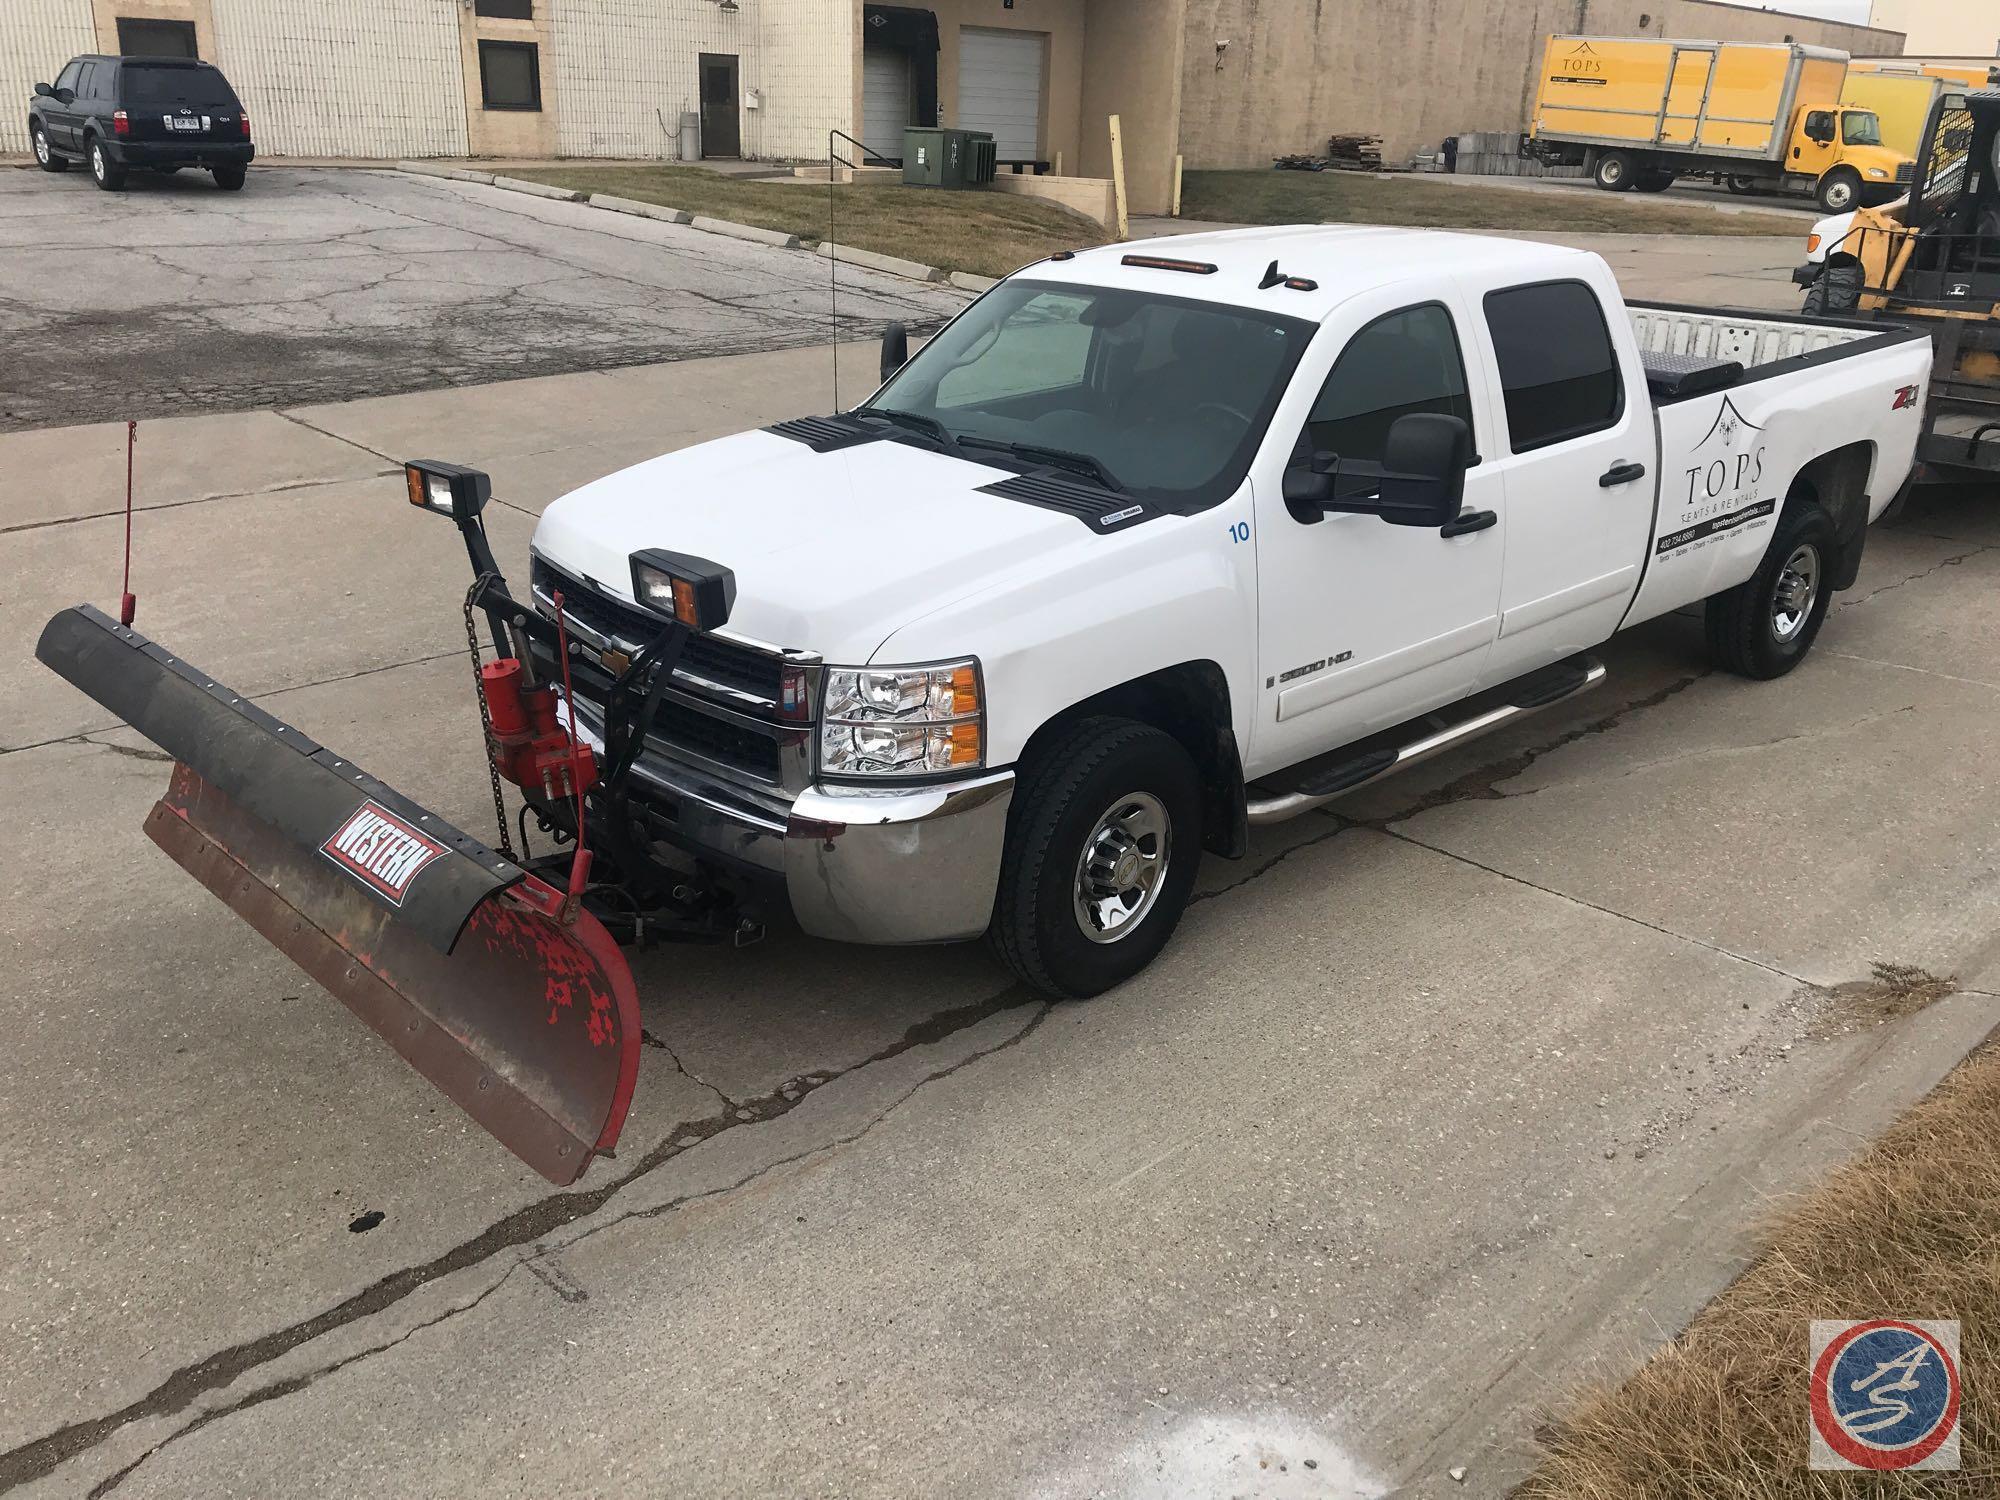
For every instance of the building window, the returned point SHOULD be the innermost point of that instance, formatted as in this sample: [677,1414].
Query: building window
[505,10]
[510,75]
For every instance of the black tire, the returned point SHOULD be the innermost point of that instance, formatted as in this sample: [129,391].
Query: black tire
[1837,291]
[1615,172]
[1654,182]
[45,154]
[1840,190]
[1748,632]
[106,173]
[230,179]
[1072,788]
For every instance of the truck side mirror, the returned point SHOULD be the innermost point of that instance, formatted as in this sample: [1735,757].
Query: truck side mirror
[43,91]
[1420,481]
[895,349]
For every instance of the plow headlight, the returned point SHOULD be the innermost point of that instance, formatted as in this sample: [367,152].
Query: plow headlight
[693,590]
[448,489]
[903,721]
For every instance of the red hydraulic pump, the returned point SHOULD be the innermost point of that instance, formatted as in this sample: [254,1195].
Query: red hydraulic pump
[530,747]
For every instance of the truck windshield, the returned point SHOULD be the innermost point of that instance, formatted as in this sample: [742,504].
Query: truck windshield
[1162,397]
[1860,127]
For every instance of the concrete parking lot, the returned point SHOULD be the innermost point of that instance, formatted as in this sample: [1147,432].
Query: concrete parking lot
[1440,1101]
[318,284]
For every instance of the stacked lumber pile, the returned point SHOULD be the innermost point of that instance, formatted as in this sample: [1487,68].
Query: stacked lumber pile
[1355,153]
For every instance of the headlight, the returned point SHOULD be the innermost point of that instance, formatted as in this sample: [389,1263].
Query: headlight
[1878,172]
[903,721]
[449,489]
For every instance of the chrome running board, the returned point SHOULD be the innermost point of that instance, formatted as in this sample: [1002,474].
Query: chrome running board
[1529,695]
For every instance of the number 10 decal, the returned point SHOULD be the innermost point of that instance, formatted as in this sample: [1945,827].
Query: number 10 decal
[1240,532]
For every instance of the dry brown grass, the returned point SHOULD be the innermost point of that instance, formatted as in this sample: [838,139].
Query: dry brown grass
[1912,1230]
[988,234]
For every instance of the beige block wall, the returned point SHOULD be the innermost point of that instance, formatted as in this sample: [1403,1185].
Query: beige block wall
[1133,68]
[1944,28]
[1062,21]
[384,80]
[36,38]
[628,70]
[1415,71]
[107,12]
[511,132]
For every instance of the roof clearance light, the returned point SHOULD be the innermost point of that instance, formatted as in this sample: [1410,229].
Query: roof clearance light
[1163,263]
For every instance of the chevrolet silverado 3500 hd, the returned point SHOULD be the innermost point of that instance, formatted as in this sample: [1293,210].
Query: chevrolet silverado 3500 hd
[1150,544]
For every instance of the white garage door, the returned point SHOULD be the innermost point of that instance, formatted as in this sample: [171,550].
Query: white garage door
[885,100]
[1000,89]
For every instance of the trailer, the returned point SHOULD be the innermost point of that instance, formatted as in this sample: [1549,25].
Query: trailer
[1638,113]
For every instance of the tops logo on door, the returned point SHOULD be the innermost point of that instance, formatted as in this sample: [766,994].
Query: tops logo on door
[381,850]
[1722,486]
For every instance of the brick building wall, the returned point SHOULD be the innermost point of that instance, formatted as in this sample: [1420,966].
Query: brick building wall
[36,38]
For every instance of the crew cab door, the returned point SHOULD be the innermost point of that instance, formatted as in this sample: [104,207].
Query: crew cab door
[59,118]
[1363,624]
[1576,451]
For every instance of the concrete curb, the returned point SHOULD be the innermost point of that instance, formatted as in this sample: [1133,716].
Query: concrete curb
[745,232]
[875,261]
[456,174]
[965,281]
[539,189]
[644,210]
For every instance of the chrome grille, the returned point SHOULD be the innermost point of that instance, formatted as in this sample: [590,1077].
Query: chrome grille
[721,709]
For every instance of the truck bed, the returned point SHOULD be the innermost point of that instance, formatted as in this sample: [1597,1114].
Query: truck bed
[1691,351]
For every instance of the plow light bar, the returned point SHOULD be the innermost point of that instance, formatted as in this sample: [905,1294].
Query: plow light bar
[447,489]
[693,590]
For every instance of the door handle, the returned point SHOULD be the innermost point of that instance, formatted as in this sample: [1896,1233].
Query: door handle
[1619,474]
[1468,522]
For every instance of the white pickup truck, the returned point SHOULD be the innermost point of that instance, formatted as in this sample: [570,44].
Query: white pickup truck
[1156,542]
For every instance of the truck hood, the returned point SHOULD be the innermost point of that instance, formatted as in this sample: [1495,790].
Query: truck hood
[832,552]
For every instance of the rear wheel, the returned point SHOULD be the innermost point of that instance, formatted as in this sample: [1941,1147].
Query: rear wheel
[1615,172]
[1102,845]
[108,174]
[45,154]
[1839,190]
[1742,186]
[1654,182]
[230,178]
[1763,628]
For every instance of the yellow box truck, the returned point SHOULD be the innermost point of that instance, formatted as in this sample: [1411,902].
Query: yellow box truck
[1960,72]
[1901,101]
[1639,113]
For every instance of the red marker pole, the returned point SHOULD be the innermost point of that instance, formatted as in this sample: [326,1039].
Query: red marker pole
[128,603]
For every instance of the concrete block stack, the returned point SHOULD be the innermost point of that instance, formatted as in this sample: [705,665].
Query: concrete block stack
[1497,153]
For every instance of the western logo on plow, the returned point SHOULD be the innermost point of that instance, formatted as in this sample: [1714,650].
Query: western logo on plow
[1884,1394]
[381,851]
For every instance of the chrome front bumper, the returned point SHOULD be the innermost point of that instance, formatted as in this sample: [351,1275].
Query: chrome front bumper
[859,865]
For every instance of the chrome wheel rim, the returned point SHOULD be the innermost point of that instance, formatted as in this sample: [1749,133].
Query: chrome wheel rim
[1612,171]
[1123,866]
[97,161]
[41,148]
[1797,591]
[1839,196]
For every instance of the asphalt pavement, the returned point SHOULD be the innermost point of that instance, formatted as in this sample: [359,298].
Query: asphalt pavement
[319,284]
[1441,1100]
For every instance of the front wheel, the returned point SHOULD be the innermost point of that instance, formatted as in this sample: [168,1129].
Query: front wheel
[1839,190]
[1102,845]
[45,154]
[1615,172]
[108,174]
[1763,628]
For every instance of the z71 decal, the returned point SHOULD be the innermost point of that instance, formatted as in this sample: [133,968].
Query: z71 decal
[381,851]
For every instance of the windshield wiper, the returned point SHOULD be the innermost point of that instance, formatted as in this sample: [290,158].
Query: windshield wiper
[1061,458]
[929,427]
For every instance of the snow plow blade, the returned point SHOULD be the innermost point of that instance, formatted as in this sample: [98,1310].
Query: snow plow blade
[455,954]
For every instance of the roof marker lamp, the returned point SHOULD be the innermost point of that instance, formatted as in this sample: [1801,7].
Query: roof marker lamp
[447,489]
[693,590]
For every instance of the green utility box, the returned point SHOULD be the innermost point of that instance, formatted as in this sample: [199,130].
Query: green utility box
[935,157]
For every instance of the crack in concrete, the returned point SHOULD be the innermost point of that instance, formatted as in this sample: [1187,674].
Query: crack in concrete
[158,505]
[298,421]
[1938,567]
[38,1457]
[649,1039]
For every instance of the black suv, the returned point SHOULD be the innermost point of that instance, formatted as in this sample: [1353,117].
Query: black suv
[117,113]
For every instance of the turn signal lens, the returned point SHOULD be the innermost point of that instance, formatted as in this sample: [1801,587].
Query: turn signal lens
[1812,244]
[448,489]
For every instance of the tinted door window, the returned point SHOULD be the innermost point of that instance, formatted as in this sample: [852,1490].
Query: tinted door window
[1557,364]
[69,76]
[86,81]
[1406,363]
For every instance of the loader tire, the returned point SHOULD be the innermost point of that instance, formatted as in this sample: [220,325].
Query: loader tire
[1105,805]
[1837,291]
[1764,627]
